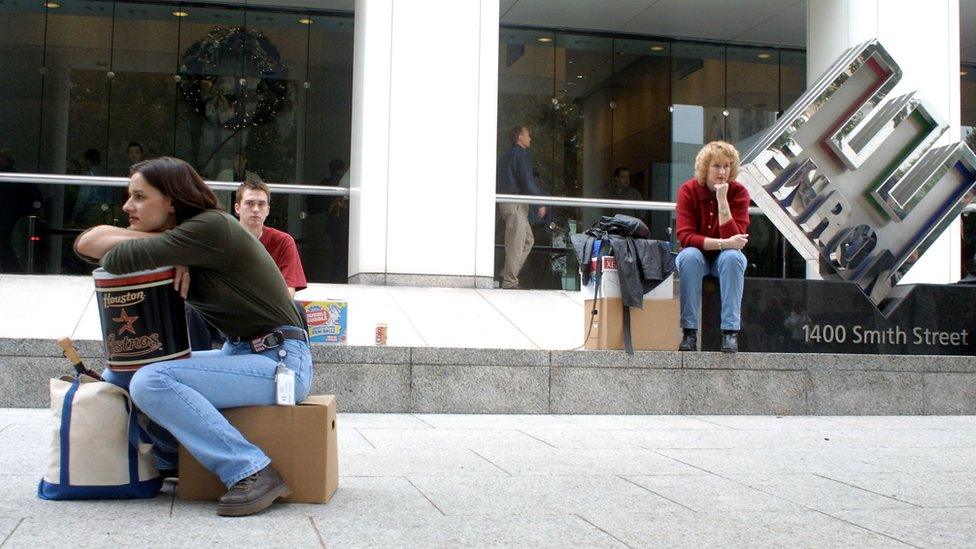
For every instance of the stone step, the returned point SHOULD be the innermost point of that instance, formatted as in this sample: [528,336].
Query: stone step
[517,381]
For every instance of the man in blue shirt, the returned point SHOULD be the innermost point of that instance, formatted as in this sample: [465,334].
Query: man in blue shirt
[514,176]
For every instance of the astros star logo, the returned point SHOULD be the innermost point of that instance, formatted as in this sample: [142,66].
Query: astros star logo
[128,320]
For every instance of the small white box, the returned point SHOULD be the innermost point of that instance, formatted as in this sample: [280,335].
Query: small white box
[610,285]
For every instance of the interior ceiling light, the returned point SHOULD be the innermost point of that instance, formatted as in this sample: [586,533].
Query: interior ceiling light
[763,55]
[657,48]
[306,21]
[51,5]
[179,13]
[544,39]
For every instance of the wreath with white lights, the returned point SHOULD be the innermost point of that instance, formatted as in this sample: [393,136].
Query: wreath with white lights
[208,83]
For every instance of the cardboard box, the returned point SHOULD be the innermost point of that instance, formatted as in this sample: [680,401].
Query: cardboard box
[653,328]
[610,284]
[328,321]
[300,440]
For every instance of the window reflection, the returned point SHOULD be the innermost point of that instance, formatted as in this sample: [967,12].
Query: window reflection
[236,91]
[641,108]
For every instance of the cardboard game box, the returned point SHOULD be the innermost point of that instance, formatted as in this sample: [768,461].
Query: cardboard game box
[300,440]
[327,321]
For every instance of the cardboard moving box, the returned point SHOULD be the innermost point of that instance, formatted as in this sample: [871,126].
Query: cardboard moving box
[653,328]
[300,440]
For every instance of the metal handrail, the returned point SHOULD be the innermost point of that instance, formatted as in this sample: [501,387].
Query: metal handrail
[613,203]
[104,181]
[290,188]
[594,202]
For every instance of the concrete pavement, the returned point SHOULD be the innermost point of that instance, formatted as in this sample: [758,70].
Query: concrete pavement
[428,480]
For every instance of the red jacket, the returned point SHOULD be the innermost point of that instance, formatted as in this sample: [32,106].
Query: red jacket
[697,214]
[282,248]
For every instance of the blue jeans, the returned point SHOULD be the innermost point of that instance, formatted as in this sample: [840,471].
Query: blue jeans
[729,267]
[183,397]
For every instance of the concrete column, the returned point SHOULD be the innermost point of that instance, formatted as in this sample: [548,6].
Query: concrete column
[923,38]
[422,172]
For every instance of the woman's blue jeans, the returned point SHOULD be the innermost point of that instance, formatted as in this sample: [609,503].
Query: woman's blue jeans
[729,267]
[184,397]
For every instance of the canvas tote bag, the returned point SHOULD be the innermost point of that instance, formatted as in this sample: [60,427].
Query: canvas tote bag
[98,449]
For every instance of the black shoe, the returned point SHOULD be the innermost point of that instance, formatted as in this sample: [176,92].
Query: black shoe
[253,494]
[169,473]
[730,342]
[689,341]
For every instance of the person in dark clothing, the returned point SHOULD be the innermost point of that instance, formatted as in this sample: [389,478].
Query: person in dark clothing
[619,189]
[514,176]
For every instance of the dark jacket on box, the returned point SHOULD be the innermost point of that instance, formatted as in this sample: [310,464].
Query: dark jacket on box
[642,263]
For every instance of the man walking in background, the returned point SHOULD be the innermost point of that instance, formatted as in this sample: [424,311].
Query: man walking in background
[514,176]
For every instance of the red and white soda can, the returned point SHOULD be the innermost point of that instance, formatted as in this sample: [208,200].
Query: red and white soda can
[381,333]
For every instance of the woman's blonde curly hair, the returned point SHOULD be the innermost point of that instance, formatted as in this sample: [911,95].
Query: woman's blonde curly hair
[709,152]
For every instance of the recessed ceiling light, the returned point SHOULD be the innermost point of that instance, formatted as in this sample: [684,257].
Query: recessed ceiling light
[763,55]
[306,21]
[51,5]
[179,13]
[657,48]
[544,39]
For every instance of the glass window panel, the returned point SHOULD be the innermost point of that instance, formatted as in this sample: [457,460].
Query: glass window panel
[326,130]
[583,140]
[76,88]
[211,64]
[526,69]
[793,82]
[175,88]
[275,61]
[74,122]
[793,77]
[143,102]
[528,96]
[328,119]
[967,100]
[21,59]
[641,128]
[752,96]
[698,80]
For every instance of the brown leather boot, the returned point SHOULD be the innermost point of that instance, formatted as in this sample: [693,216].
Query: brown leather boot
[253,494]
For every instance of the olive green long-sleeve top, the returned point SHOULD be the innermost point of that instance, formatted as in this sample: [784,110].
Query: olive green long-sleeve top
[234,282]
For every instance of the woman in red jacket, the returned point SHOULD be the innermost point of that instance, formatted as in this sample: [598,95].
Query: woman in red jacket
[713,224]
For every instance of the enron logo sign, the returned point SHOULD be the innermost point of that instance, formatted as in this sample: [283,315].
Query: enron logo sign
[853,177]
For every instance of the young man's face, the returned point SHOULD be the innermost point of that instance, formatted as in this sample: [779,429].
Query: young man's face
[135,154]
[622,179]
[253,208]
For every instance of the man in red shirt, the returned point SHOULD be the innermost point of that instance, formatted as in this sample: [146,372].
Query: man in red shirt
[712,228]
[252,204]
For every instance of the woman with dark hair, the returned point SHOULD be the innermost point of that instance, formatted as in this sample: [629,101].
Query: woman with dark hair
[174,220]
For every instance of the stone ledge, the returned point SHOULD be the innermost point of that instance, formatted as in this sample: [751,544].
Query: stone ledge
[479,357]
[447,380]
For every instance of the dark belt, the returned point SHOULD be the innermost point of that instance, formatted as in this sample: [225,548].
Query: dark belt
[274,338]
